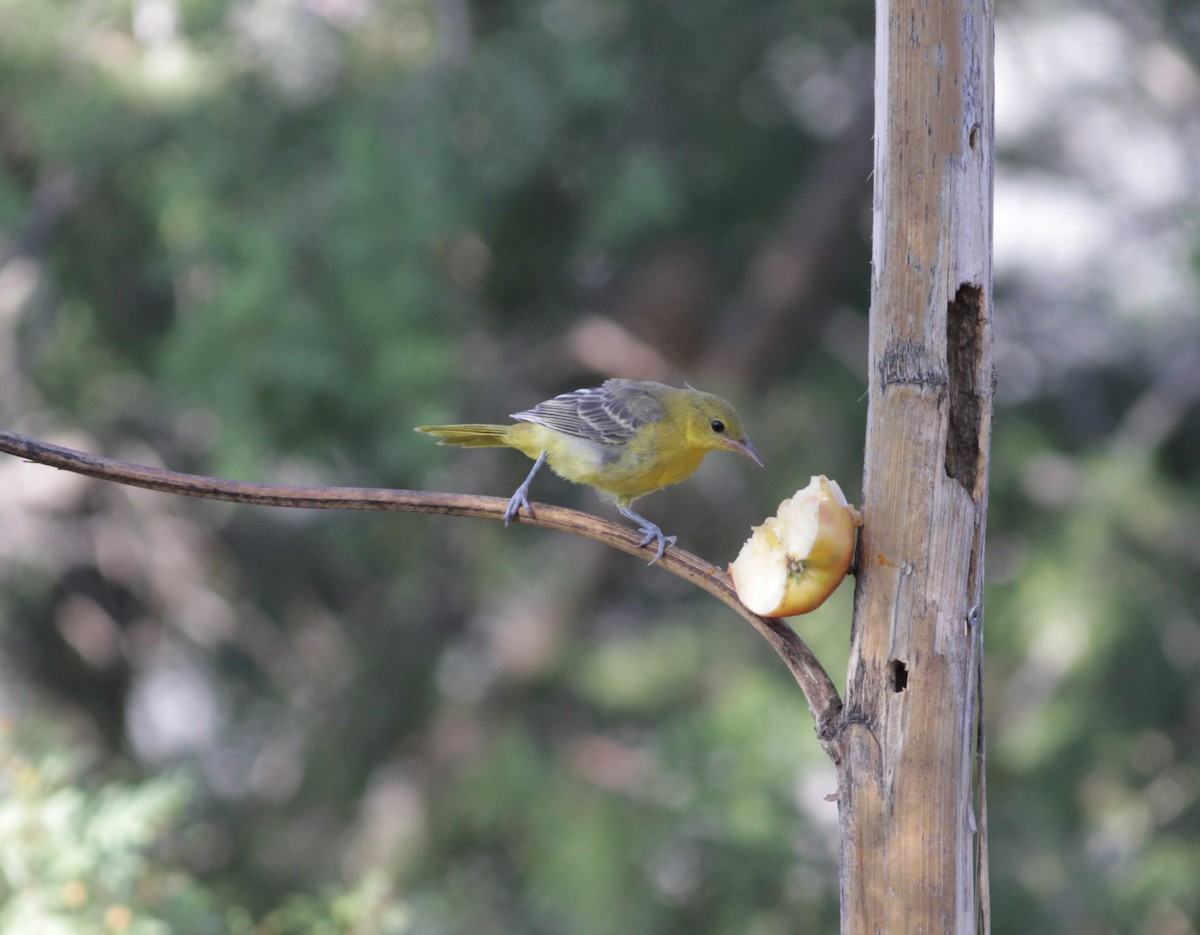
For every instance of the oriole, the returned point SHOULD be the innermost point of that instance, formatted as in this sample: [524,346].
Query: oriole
[626,439]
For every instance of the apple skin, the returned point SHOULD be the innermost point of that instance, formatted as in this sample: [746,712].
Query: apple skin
[798,557]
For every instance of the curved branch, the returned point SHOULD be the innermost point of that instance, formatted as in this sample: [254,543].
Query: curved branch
[814,681]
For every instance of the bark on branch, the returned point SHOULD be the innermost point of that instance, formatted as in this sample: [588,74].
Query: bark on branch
[911,780]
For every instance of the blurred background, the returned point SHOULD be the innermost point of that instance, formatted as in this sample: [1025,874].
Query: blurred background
[265,238]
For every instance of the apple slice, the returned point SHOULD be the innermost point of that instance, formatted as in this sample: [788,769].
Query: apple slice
[799,556]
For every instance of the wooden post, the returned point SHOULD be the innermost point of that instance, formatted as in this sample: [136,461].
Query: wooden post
[913,827]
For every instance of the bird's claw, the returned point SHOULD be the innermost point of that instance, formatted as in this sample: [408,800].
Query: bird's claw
[521,497]
[649,530]
[653,532]
[516,502]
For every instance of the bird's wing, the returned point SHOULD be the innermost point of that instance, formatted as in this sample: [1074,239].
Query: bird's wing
[611,413]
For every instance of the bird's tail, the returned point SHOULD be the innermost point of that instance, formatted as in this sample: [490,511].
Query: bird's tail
[472,436]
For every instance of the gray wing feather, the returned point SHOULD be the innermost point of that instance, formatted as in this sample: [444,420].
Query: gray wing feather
[610,414]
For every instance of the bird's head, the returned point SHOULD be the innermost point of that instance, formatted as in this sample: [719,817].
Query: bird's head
[713,424]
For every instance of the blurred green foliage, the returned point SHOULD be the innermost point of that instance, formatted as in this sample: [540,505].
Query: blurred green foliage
[265,238]
[79,856]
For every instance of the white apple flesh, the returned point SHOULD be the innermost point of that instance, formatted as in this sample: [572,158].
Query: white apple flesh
[799,556]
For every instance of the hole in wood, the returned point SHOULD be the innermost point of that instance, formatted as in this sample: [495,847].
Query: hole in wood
[965,334]
[899,675]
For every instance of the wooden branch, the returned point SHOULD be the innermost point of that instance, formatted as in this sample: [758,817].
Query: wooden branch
[814,681]
[913,823]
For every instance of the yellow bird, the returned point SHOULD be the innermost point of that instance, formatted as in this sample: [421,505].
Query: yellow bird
[626,438]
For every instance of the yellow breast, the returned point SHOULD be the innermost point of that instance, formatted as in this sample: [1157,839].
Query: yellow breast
[624,471]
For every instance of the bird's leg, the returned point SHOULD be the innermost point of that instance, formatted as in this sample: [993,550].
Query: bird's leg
[651,531]
[521,497]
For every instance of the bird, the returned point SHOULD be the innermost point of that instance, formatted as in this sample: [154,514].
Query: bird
[625,438]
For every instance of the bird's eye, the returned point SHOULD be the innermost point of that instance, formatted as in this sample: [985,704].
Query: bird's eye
[717,426]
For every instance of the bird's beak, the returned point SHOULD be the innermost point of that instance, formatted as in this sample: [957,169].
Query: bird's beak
[743,447]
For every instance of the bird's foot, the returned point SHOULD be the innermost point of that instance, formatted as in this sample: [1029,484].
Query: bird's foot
[520,499]
[516,502]
[654,533]
[651,532]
